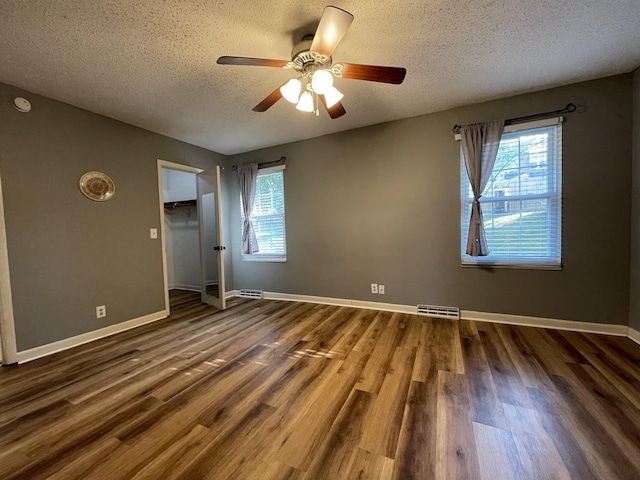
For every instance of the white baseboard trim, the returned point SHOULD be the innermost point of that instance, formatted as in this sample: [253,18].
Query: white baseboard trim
[189,288]
[540,322]
[527,321]
[342,302]
[50,348]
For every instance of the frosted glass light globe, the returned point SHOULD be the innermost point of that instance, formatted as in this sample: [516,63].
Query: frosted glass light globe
[321,81]
[306,102]
[332,96]
[291,90]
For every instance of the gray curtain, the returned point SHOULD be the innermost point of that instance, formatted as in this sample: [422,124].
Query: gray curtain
[247,174]
[480,143]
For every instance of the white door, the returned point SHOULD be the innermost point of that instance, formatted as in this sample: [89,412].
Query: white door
[211,247]
[8,349]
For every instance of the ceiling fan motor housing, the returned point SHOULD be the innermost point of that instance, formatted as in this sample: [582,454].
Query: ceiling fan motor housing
[306,62]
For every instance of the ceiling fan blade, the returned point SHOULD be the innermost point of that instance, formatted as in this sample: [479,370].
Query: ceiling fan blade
[268,102]
[333,25]
[256,62]
[374,73]
[334,112]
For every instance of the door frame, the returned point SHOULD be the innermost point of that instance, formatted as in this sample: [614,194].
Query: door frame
[8,345]
[171,166]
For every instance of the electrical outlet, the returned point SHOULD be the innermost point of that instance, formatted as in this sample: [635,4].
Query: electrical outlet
[374,288]
[153,233]
[101,311]
[381,289]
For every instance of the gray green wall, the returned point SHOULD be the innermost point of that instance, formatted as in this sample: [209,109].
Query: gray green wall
[68,254]
[381,205]
[634,298]
[374,205]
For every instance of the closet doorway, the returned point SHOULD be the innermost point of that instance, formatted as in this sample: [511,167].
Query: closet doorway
[191,232]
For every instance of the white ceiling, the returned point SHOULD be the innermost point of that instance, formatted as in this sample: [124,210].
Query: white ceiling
[152,63]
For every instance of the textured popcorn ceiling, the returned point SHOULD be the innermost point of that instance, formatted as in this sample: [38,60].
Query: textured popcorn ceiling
[152,63]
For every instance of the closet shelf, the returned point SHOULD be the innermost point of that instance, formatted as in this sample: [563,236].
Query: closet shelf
[182,203]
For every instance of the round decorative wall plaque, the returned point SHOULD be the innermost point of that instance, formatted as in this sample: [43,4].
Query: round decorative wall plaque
[97,186]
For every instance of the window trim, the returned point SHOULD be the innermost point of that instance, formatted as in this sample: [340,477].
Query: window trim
[264,257]
[515,264]
[268,257]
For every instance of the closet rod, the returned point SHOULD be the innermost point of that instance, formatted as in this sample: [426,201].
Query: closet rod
[181,203]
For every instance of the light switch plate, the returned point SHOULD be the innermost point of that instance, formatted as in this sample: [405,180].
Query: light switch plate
[153,233]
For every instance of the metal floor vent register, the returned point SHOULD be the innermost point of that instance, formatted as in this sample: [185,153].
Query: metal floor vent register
[247,293]
[439,312]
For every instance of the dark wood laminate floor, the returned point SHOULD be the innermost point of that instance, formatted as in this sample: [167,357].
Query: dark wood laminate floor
[283,390]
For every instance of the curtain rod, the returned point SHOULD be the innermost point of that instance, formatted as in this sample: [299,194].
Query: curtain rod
[272,163]
[568,109]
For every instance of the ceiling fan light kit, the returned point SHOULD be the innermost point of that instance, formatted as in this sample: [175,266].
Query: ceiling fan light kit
[332,96]
[311,59]
[306,103]
[321,81]
[291,90]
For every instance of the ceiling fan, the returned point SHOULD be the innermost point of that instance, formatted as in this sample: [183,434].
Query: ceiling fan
[311,59]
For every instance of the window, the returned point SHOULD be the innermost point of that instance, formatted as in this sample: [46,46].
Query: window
[268,216]
[522,202]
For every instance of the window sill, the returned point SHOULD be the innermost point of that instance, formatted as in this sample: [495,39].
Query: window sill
[517,266]
[264,258]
